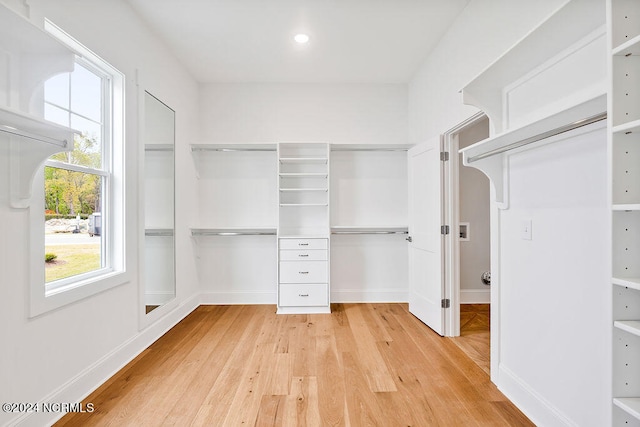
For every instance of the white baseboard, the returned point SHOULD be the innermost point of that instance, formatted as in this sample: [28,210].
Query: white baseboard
[87,381]
[235,298]
[358,295]
[540,411]
[475,296]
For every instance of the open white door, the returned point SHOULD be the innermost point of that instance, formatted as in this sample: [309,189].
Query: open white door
[426,284]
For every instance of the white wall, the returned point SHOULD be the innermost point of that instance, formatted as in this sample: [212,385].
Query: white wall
[61,355]
[348,113]
[333,113]
[546,286]
[474,196]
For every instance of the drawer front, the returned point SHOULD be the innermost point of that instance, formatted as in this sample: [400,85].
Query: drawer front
[303,244]
[303,295]
[304,255]
[304,272]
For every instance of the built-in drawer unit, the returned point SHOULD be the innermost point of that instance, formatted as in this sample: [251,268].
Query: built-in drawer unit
[303,295]
[304,255]
[304,272]
[287,244]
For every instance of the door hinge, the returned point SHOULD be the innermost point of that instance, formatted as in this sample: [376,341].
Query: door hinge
[444,229]
[444,156]
[446,303]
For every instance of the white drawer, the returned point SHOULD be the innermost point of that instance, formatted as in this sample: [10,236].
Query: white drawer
[304,255]
[297,295]
[304,272]
[303,244]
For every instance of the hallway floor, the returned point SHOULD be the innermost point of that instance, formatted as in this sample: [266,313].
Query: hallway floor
[475,334]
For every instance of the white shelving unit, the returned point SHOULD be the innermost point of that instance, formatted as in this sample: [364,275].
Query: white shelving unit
[624,140]
[29,57]
[303,228]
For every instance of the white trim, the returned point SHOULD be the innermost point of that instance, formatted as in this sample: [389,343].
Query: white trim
[369,296]
[113,243]
[452,218]
[539,410]
[89,379]
[475,296]
[239,298]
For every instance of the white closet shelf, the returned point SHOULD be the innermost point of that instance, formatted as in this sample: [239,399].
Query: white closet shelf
[158,232]
[521,136]
[348,229]
[370,147]
[630,326]
[33,140]
[233,147]
[630,127]
[631,47]
[303,175]
[35,129]
[159,147]
[317,160]
[631,405]
[626,207]
[234,231]
[629,282]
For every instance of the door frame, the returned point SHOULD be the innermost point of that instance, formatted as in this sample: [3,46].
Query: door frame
[451,215]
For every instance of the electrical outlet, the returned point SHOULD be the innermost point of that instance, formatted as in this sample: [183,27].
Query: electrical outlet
[525,229]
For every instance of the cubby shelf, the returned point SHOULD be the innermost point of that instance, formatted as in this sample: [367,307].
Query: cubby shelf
[631,405]
[630,326]
[628,282]
[626,207]
[631,47]
[303,175]
[312,160]
[624,93]
[630,127]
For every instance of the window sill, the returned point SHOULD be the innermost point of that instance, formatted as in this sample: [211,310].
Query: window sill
[43,302]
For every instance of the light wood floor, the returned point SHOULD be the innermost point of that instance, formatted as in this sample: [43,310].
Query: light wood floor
[362,365]
[475,334]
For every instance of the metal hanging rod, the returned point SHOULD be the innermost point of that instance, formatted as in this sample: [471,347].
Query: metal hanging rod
[540,137]
[370,232]
[39,138]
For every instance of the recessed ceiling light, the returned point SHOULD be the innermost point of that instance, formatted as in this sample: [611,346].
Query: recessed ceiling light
[301,38]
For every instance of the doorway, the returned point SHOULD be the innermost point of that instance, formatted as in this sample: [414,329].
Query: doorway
[467,205]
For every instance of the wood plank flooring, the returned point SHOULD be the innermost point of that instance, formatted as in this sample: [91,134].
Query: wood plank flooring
[361,365]
[475,334]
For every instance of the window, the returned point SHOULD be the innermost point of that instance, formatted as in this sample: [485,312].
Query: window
[83,198]
[76,182]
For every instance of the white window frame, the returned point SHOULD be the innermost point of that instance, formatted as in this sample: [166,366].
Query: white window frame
[53,295]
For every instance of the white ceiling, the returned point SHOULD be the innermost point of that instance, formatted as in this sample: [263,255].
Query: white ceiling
[364,41]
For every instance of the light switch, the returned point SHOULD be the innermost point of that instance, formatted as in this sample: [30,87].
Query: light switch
[525,229]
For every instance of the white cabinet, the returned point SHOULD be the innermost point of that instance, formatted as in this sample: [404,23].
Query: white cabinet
[624,140]
[303,228]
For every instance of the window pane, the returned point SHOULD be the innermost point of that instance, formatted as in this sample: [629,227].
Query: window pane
[56,90]
[86,93]
[56,115]
[73,223]
[88,147]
